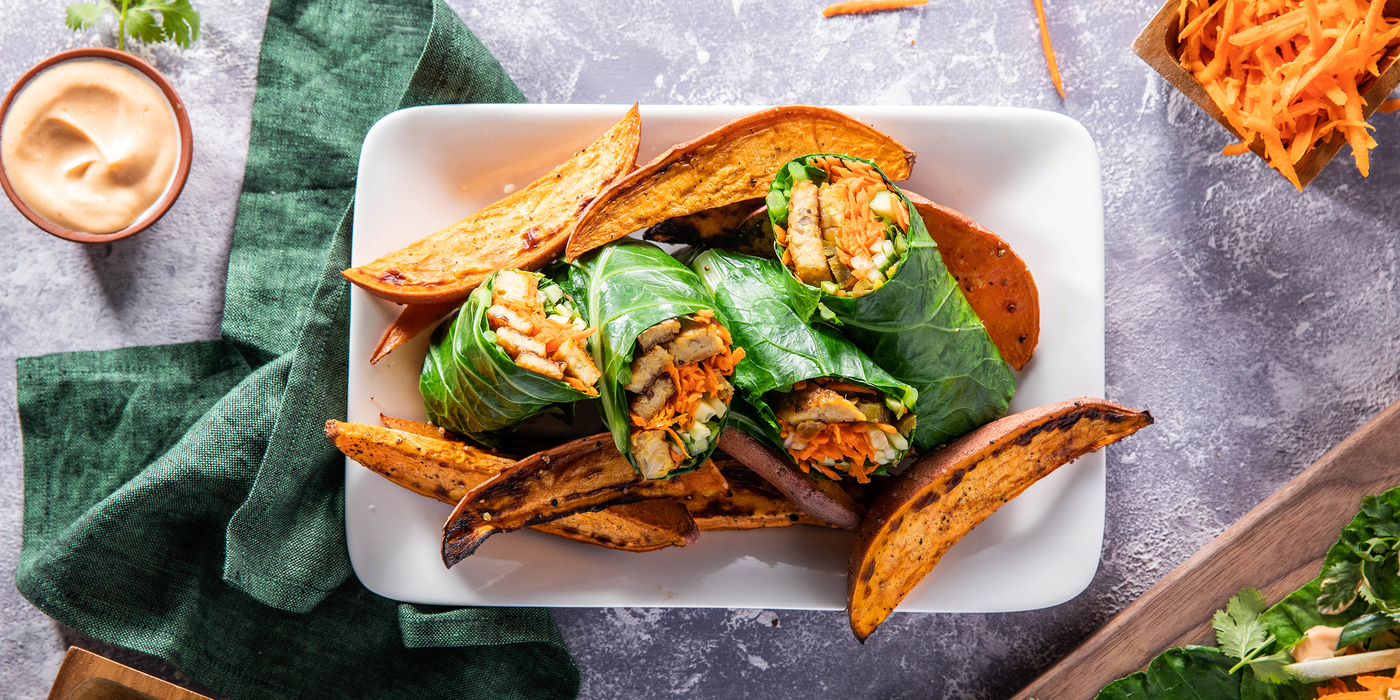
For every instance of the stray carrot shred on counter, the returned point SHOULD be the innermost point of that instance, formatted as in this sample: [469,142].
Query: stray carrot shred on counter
[1389,106]
[856,7]
[1049,50]
[1286,73]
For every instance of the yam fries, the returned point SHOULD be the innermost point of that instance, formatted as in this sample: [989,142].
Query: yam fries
[730,164]
[585,475]
[948,492]
[525,230]
[421,458]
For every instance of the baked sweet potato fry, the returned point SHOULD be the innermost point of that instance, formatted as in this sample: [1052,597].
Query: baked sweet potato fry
[429,465]
[702,227]
[525,230]
[948,492]
[992,276]
[733,163]
[585,475]
[414,319]
[822,499]
[750,503]
[424,459]
[645,526]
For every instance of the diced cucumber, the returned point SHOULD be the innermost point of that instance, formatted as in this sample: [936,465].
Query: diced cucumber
[901,245]
[554,292]
[718,406]
[829,287]
[888,246]
[899,441]
[883,204]
[880,260]
[703,411]
[490,336]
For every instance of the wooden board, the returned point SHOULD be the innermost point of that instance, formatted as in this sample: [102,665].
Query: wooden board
[1277,547]
[1158,46]
[108,680]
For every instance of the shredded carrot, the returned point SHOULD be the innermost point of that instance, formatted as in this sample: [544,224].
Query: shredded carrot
[1049,50]
[1288,74]
[1389,106]
[855,7]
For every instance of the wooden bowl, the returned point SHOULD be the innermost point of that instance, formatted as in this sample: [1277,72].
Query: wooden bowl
[1157,44]
[182,123]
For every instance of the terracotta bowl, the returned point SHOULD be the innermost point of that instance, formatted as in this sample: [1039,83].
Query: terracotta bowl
[182,122]
[1158,46]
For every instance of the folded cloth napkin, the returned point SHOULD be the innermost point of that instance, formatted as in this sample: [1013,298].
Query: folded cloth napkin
[182,500]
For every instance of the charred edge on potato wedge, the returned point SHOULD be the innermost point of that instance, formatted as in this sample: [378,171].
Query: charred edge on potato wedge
[645,526]
[426,466]
[823,500]
[993,278]
[585,475]
[948,492]
[730,164]
[751,503]
[525,230]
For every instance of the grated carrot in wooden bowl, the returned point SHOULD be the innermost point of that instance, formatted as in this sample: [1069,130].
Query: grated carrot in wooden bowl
[1288,74]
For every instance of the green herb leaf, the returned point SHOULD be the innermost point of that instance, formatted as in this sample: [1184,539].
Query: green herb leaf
[1238,630]
[151,21]
[1341,585]
[79,17]
[1270,668]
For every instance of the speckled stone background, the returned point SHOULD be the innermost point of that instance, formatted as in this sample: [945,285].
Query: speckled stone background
[1260,325]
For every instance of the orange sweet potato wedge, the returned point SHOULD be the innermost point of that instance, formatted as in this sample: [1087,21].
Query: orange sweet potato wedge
[582,476]
[645,526]
[822,499]
[414,319]
[750,502]
[525,230]
[730,164]
[948,492]
[428,461]
[992,276]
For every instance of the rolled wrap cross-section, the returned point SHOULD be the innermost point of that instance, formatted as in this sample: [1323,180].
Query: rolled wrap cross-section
[844,229]
[809,391]
[665,353]
[515,350]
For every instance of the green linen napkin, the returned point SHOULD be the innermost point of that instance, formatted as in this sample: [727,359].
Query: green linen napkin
[182,500]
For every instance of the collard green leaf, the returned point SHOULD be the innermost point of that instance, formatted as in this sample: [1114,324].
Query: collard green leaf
[471,386]
[1187,673]
[920,329]
[771,312]
[622,289]
[1324,600]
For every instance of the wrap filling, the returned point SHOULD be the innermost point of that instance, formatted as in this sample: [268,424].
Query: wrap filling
[679,390]
[833,426]
[840,226]
[535,323]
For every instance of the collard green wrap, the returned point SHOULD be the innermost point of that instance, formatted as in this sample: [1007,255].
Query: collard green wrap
[771,313]
[471,386]
[622,289]
[918,326]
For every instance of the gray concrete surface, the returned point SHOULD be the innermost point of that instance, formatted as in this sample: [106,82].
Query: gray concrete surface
[1260,325]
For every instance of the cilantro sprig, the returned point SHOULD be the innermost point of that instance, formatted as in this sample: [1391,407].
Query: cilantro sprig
[151,21]
[1242,635]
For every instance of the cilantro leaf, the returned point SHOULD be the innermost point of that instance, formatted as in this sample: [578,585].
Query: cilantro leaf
[151,21]
[1270,668]
[1341,585]
[1238,629]
[141,24]
[79,17]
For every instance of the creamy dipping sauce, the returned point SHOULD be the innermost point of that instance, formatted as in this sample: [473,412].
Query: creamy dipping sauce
[1318,642]
[89,145]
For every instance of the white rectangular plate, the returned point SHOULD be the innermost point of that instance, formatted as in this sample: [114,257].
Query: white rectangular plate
[1030,176]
